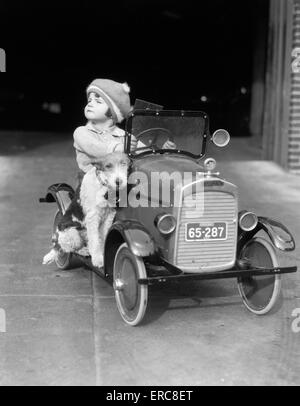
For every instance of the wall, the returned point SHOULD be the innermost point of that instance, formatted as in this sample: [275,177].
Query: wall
[281,122]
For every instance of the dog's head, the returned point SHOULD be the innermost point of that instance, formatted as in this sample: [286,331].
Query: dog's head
[112,170]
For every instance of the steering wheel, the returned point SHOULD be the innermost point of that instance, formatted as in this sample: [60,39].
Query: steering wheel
[153,141]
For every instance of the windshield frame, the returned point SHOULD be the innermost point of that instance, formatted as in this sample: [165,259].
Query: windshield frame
[166,113]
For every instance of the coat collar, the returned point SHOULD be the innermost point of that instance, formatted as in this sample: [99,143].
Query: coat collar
[113,130]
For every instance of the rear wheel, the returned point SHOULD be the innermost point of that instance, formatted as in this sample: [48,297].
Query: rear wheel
[131,297]
[259,293]
[63,260]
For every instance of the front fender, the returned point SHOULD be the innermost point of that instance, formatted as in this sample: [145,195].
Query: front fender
[283,240]
[138,239]
[134,234]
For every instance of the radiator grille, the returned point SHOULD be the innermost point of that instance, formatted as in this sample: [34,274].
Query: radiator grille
[199,256]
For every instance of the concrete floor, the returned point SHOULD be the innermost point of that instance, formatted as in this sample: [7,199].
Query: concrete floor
[63,328]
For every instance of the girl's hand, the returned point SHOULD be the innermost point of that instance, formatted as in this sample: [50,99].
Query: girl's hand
[169,145]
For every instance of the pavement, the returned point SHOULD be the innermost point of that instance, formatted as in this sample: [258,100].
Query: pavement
[63,327]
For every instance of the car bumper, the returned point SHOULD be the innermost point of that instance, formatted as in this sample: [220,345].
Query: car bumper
[232,273]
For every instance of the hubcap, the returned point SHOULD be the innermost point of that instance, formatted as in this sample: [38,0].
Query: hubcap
[118,284]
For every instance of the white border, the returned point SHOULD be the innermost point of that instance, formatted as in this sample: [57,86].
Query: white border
[207,239]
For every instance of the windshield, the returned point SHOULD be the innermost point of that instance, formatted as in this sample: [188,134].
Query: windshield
[152,128]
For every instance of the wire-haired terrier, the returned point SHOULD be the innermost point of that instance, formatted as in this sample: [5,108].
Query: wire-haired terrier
[85,224]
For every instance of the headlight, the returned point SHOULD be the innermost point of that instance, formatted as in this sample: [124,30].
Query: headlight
[165,223]
[210,164]
[247,220]
[220,137]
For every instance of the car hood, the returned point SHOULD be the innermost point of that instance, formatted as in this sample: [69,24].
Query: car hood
[181,169]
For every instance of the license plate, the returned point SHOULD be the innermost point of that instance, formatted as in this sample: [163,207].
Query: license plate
[205,232]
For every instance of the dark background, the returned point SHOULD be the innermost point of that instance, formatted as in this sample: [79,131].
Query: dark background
[170,52]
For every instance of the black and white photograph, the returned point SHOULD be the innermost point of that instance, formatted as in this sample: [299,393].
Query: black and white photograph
[150,195]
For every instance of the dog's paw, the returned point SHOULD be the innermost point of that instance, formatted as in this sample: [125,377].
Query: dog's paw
[97,260]
[50,257]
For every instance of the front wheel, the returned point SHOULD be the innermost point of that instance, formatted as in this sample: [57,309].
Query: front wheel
[63,259]
[131,297]
[259,293]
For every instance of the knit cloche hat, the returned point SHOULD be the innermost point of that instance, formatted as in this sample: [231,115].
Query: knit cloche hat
[116,96]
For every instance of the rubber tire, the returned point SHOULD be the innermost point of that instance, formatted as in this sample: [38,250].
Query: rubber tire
[133,299]
[270,261]
[64,259]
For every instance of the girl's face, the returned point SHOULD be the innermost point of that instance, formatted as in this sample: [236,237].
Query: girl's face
[96,108]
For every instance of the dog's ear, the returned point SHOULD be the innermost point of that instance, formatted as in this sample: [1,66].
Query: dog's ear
[98,164]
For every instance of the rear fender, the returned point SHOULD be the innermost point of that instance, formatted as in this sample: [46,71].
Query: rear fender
[279,235]
[61,193]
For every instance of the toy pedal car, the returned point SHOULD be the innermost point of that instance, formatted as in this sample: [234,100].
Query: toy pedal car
[185,229]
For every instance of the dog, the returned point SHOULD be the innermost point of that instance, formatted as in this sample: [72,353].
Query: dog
[85,224]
